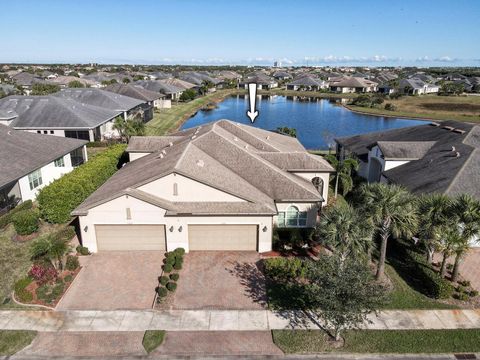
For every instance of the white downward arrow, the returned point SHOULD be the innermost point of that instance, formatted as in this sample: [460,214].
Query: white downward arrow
[252,95]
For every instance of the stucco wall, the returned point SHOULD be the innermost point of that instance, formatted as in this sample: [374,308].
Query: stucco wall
[324,176]
[49,173]
[114,212]
[310,208]
[187,190]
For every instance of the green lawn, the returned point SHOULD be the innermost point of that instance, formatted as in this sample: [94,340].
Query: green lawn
[380,341]
[152,339]
[12,341]
[168,120]
[14,263]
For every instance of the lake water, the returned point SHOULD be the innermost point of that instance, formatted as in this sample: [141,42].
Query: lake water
[318,121]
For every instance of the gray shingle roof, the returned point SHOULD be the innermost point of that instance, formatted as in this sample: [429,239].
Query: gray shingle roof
[22,152]
[159,86]
[101,98]
[228,156]
[306,81]
[134,91]
[404,150]
[52,112]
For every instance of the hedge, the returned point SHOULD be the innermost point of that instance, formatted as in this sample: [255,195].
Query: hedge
[26,222]
[7,218]
[57,200]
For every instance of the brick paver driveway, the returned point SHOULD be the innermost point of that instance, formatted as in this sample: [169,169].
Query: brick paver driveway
[115,280]
[221,280]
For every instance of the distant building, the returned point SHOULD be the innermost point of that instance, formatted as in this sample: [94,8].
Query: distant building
[349,84]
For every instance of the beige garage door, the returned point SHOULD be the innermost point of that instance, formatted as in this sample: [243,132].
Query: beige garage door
[130,237]
[222,237]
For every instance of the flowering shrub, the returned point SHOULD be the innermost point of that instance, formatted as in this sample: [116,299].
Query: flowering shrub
[42,274]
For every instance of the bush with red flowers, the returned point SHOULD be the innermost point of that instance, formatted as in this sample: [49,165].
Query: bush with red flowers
[42,274]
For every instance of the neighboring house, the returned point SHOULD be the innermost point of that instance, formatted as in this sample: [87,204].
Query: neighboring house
[220,186]
[128,106]
[416,86]
[264,82]
[153,98]
[61,116]
[349,84]
[307,83]
[443,158]
[386,89]
[64,81]
[282,75]
[172,92]
[29,162]
[26,80]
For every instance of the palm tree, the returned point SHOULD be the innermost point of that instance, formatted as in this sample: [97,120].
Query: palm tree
[448,237]
[51,249]
[343,173]
[434,213]
[467,209]
[392,210]
[343,228]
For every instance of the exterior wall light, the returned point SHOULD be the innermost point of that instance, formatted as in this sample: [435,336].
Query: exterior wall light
[171,228]
[180,228]
[85,228]
[264,229]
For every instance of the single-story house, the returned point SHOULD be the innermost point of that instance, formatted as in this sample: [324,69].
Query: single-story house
[263,81]
[281,75]
[153,98]
[172,92]
[350,84]
[220,186]
[415,86]
[31,161]
[307,83]
[51,115]
[428,158]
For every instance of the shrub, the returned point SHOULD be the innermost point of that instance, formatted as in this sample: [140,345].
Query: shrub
[449,267]
[68,278]
[284,269]
[292,236]
[177,266]
[174,276]
[82,250]
[465,283]
[167,268]
[473,293]
[21,293]
[7,218]
[179,260]
[434,285]
[171,286]
[390,107]
[161,291]
[461,296]
[43,274]
[179,251]
[26,221]
[65,234]
[461,289]
[72,263]
[163,280]
[77,185]
[169,260]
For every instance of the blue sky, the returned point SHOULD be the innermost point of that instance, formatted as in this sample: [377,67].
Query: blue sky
[370,32]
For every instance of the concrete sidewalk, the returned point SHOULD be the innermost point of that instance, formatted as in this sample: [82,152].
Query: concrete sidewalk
[222,320]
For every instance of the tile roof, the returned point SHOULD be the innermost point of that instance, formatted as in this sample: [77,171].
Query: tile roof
[231,157]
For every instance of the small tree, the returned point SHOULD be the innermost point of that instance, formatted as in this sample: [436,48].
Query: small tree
[128,128]
[44,89]
[343,172]
[75,84]
[126,80]
[188,95]
[50,248]
[392,210]
[342,297]
[287,131]
[343,228]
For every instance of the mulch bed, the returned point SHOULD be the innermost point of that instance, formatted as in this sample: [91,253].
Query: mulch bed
[33,286]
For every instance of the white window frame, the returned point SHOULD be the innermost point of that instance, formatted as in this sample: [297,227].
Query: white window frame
[60,162]
[35,179]
[287,219]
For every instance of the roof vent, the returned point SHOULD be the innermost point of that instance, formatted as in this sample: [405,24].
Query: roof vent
[459,131]
[449,128]
[170,144]
[268,137]
[453,149]
[164,152]
[434,124]
[161,156]
[235,138]
[457,154]
[200,163]
[193,137]
[246,146]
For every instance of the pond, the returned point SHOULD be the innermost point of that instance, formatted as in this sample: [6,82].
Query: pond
[317,121]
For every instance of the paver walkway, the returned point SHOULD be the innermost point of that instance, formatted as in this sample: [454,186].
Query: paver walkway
[222,320]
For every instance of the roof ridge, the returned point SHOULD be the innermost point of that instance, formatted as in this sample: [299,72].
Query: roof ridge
[461,169]
[268,163]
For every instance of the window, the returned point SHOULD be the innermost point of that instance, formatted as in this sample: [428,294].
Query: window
[52,132]
[318,183]
[39,132]
[175,189]
[292,218]
[80,134]
[59,162]
[35,179]
[45,131]
[77,157]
